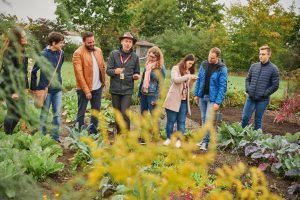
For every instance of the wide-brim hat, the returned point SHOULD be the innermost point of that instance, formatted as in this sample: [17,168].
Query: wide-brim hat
[128,35]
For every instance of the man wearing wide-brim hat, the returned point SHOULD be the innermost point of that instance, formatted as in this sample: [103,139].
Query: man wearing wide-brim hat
[123,68]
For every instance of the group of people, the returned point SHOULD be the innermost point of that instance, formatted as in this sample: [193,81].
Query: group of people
[123,68]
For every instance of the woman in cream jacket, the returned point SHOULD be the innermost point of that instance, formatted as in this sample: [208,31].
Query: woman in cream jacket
[177,101]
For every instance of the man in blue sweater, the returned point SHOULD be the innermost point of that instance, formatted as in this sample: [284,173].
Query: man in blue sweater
[261,82]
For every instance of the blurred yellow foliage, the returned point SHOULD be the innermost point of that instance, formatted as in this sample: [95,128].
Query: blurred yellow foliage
[128,163]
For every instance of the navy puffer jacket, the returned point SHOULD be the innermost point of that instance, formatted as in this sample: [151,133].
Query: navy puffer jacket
[262,80]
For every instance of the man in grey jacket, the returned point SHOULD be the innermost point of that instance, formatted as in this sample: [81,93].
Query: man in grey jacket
[261,82]
[123,68]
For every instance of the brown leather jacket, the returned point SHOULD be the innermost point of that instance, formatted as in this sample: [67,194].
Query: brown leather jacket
[83,68]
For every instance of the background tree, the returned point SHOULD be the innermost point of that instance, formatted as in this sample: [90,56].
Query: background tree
[107,19]
[40,28]
[177,43]
[251,26]
[153,17]
[200,13]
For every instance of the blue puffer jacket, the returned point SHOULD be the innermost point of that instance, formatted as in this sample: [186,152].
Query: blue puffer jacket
[154,87]
[47,71]
[218,82]
[262,80]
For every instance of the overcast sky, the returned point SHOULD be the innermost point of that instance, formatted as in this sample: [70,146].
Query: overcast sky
[46,8]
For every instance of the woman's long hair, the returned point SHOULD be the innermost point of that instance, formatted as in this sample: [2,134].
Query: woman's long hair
[15,37]
[157,52]
[182,64]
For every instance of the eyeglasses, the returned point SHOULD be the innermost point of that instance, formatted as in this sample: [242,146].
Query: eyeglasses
[154,57]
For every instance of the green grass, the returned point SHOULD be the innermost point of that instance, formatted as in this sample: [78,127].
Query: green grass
[234,82]
[238,83]
[68,76]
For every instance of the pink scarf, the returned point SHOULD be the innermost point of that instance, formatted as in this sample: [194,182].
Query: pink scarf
[147,76]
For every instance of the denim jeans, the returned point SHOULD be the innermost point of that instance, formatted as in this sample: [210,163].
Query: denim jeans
[205,106]
[259,106]
[145,103]
[122,103]
[178,117]
[54,99]
[95,105]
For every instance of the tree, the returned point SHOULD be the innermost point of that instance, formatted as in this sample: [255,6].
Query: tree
[177,43]
[200,13]
[40,28]
[251,26]
[153,17]
[106,18]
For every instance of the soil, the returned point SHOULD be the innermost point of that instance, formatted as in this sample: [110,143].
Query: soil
[277,185]
[230,115]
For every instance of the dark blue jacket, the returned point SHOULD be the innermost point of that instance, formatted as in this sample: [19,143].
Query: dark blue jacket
[262,80]
[47,71]
[154,86]
[218,82]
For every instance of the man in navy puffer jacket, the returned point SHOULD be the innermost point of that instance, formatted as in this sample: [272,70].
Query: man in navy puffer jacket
[261,82]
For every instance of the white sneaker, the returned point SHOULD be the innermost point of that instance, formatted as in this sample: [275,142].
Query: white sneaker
[199,144]
[167,142]
[203,147]
[178,144]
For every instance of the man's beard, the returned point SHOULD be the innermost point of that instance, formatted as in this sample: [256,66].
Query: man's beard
[90,48]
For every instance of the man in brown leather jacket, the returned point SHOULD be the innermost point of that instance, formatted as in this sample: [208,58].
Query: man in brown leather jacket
[89,70]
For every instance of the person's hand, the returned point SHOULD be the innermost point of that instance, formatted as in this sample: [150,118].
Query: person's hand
[15,96]
[216,107]
[119,70]
[193,77]
[88,96]
[196,99]
[153,103]
[136,76]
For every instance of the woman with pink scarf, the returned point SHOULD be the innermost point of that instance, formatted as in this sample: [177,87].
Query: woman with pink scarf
[149,85]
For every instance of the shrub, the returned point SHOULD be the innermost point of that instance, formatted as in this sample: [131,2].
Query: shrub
[69,49]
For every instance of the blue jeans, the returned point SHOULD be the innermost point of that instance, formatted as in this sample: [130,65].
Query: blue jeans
[145,103]
[95,105]
[56,100]
[205,106]
[178,117]
[259,106]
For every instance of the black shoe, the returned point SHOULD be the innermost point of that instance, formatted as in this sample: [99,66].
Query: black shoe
[142,141]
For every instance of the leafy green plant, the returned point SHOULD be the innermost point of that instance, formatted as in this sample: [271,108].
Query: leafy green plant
[35,155]
[235,98]
[69,100]
[41,163]
[279,153]
[14,184]
[83,152]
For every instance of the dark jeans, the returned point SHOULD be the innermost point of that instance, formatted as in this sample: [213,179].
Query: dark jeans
[259,106]
[95,105]
[145,103]
[15,108]
[122,103]
[178,117]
